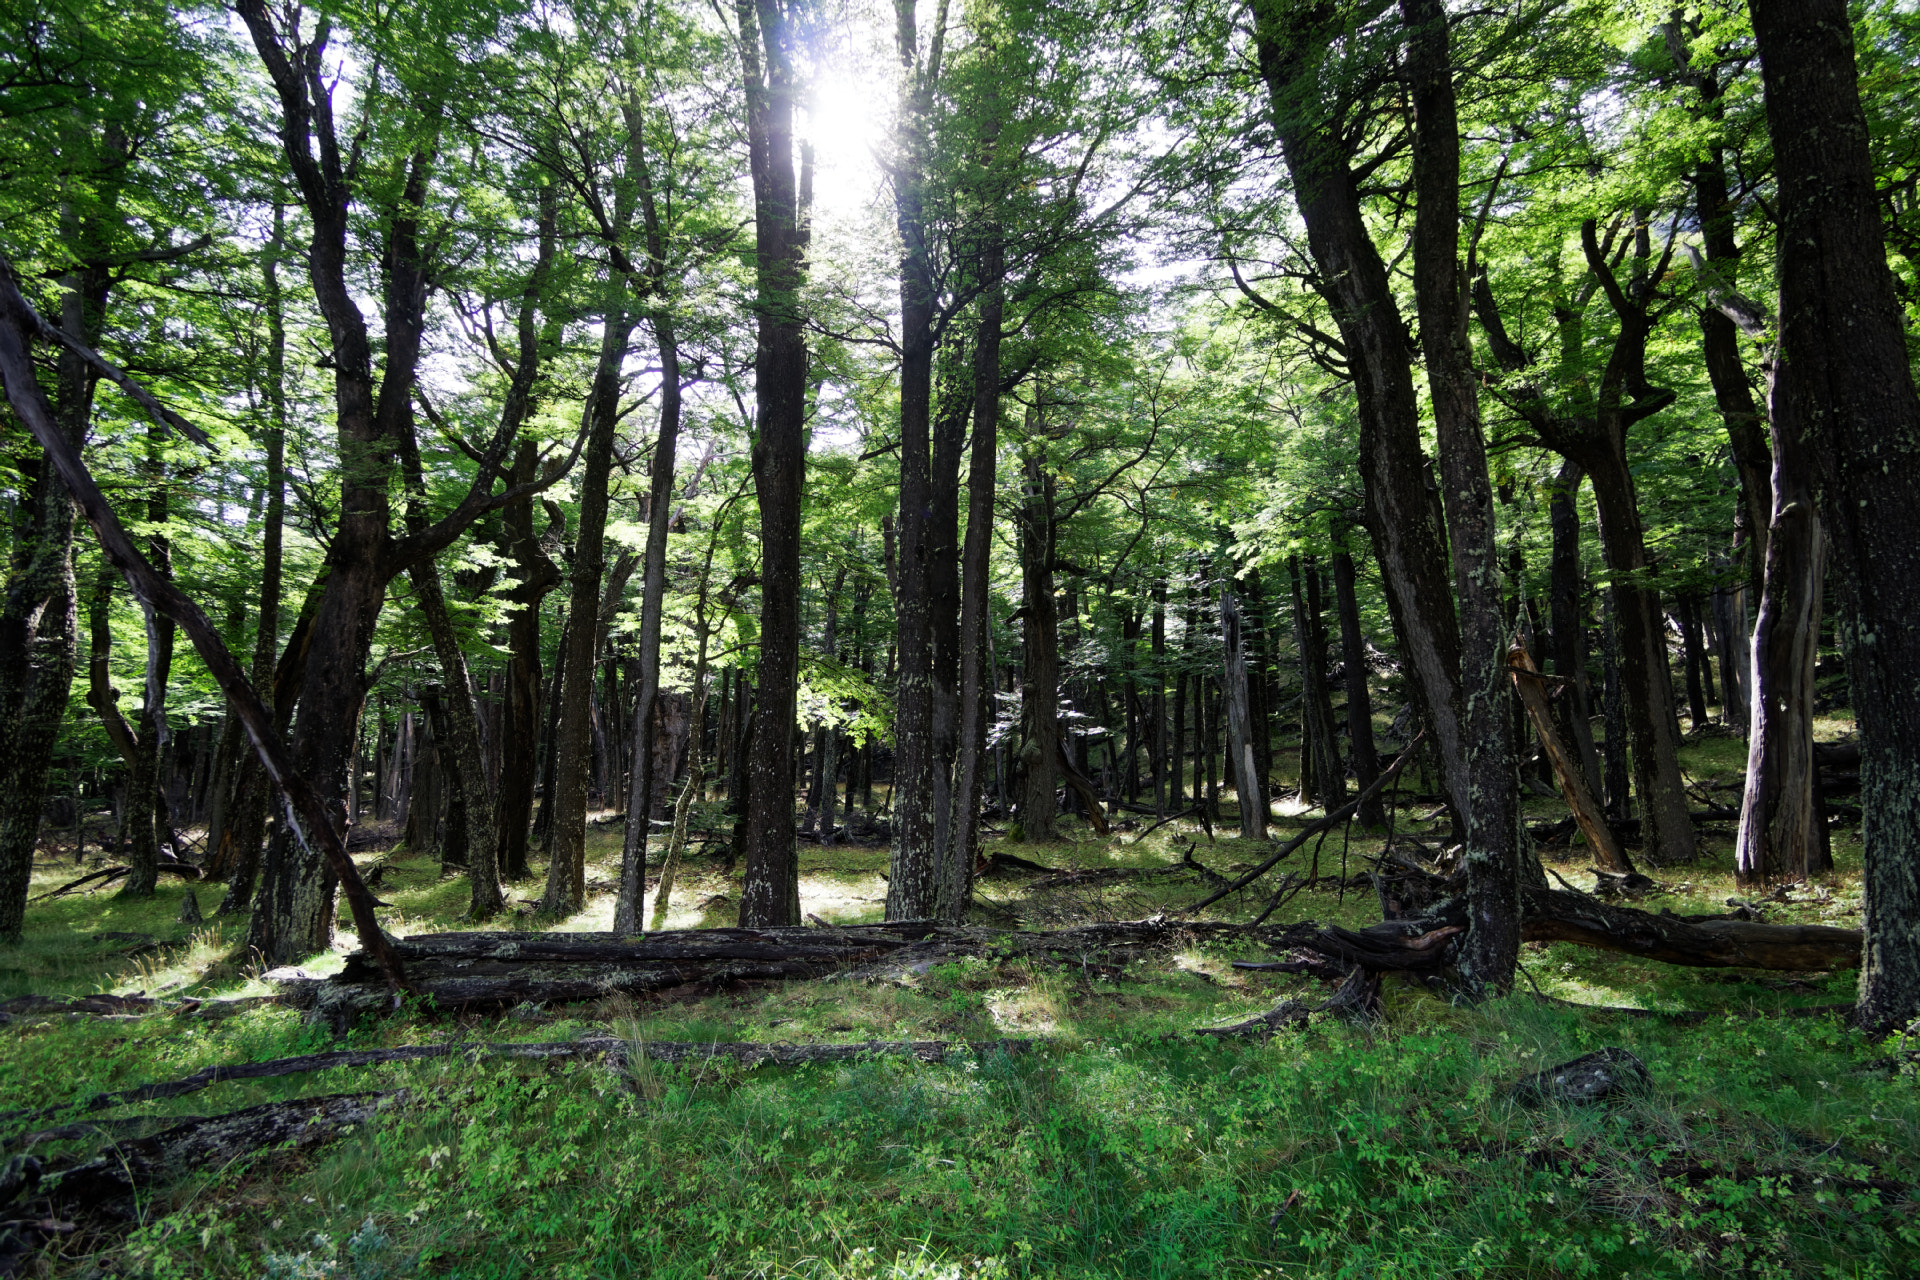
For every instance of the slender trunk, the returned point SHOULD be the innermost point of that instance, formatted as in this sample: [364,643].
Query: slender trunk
[1493,848]
[771,894]
[1040,648]
[566,890]
[1619,807]
[1328,771]
[1699,672]
[521,719]
[975,655]
[1569,623]
[1353,657]
[1253,816]
[149,824]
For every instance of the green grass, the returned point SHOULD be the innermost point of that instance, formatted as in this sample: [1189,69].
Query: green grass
[1121,1147]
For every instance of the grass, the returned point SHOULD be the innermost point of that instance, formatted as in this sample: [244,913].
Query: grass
[1120,1147]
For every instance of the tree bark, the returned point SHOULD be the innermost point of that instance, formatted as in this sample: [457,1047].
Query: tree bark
[1568,621]
[1843,383]
[1246,770]
[1293,44]
[976,674]
[1492,946]
[1040,649]
[771,894]
[1353,657]
[521,721]
[566,890]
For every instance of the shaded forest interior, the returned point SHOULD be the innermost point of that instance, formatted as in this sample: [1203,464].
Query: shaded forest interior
[959,640]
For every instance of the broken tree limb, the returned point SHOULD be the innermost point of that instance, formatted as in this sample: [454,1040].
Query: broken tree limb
[1331,820]
[307,813]
[1096,813]
[1592,820]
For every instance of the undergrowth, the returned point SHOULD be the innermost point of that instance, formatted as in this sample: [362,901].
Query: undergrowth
[1117,1145]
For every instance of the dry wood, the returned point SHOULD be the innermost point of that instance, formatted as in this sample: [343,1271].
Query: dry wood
[1587,812]
[1331,820]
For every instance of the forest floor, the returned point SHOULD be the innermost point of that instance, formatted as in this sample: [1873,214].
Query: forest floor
[1120,1144]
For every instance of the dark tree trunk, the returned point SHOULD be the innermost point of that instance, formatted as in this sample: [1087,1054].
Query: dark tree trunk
[150,822]
[1157,699]
[976,704]
[628,904]
[1040,648]
[1353,656]
[39,614]
[566,890]
[521,720]
[1329,772]
[1488,958]
[1843,384]
[771,894]
[1567,611]
[1619,808]
[1292,42]
[1699,675]
[1245,768]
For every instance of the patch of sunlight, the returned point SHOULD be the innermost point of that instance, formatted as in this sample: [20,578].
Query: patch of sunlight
[1292,806]
[1031,1011]
[842,898]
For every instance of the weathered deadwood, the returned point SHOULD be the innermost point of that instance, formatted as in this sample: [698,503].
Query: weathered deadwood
[1594,1077]
[1554,915]
[1357,999]
[211,1142]
[1333,819]
[586,1047]
[1586,810]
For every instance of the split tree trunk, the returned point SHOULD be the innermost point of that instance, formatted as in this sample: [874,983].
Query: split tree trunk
[1353,658]
[1844,384]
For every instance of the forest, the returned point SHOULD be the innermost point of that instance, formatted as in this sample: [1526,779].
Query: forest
[959,639]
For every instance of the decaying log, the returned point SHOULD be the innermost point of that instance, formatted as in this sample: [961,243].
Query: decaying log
[210,1143]
[1587,812]
[549,1051]
[1554,915]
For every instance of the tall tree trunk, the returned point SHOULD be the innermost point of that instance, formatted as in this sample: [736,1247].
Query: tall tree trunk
[1040,647]
[1699,671]
[1353,657]
[149,819]
[1246,769]
[1844,385]
[1492,947]
[1568,619]
[653,575]
[566,890]
[39,616]
[771,894]
[521,722]
[976,671]
[1329,773]
[1292,43]
[1618,768]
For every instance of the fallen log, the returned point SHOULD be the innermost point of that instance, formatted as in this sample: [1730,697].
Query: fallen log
[549,1051]
[1422,899]
[481,971]
[211,1142]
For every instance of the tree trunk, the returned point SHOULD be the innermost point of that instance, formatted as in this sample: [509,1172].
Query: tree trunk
[1618,768]
[566,890]
[521,720]
[1492,946]
[1843,383]
[1407,525]
[771,894]
[1699,672]
[1329,772]
[150,822]
[1246,770]
[1568,616]
[1353,657]
[976,711]
[1040,648]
